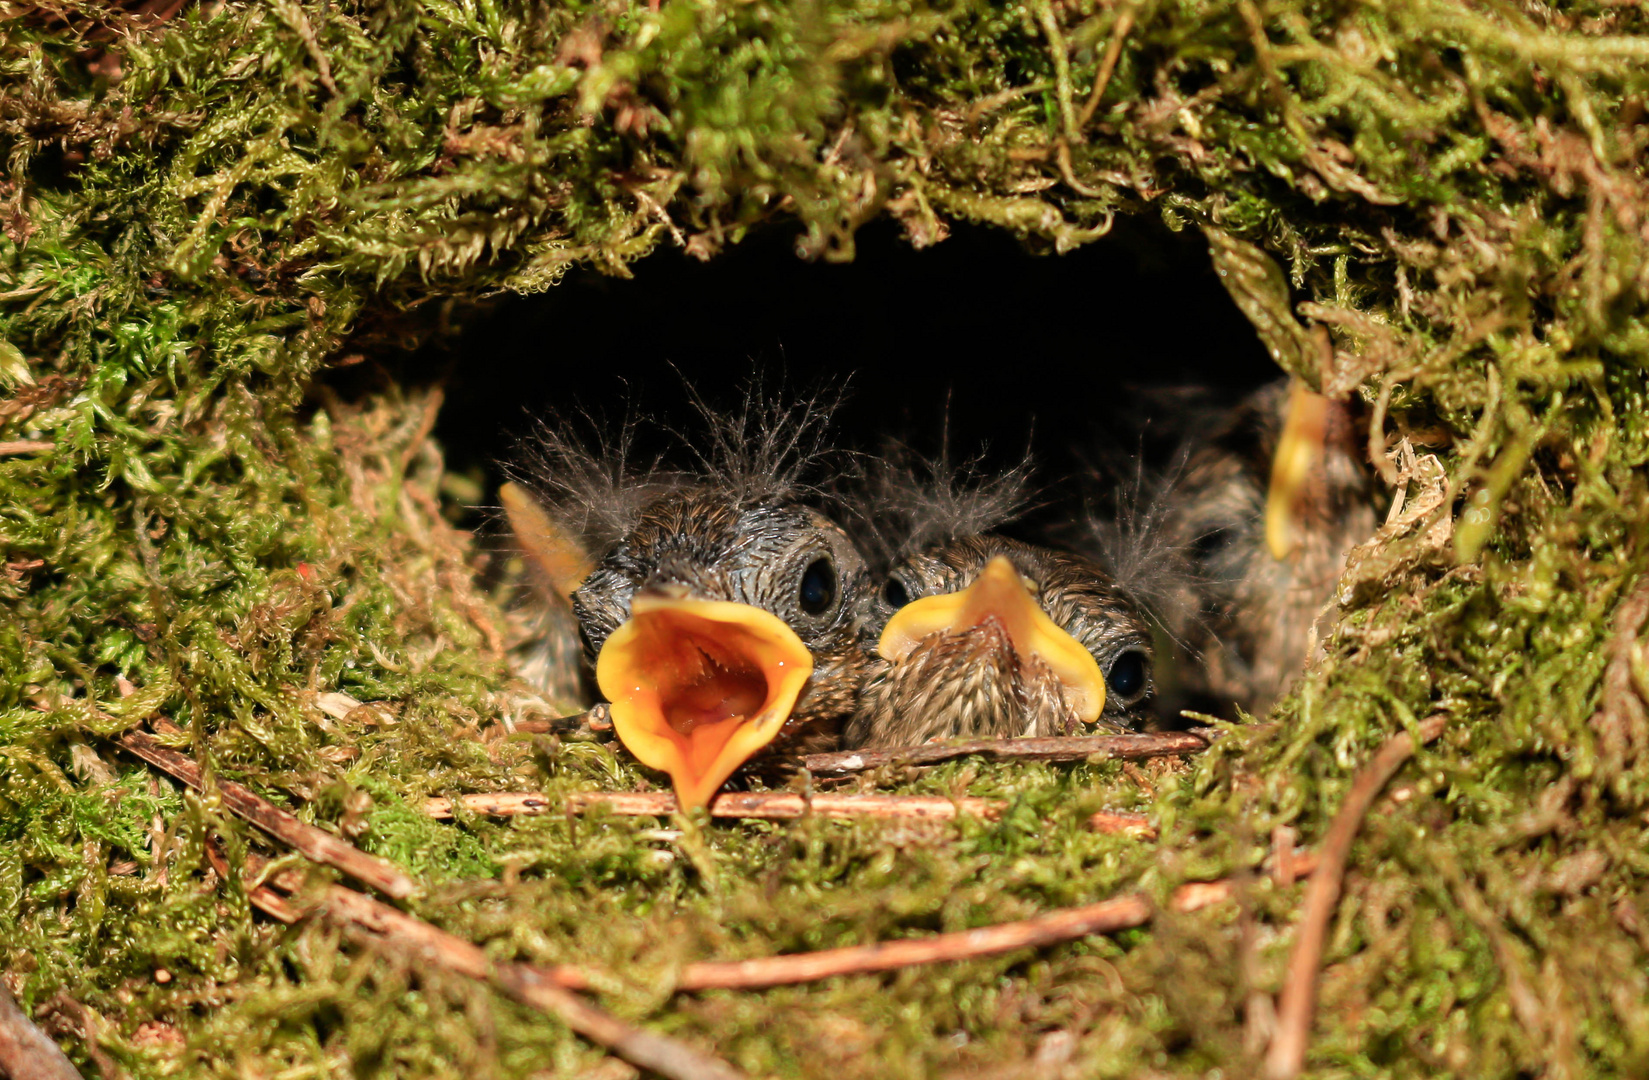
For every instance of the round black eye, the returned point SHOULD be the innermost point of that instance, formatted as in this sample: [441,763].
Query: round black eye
[895,593]
[818,590]
[1127,675]
[1211,543]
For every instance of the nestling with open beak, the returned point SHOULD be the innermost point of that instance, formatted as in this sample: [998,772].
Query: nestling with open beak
[1273,497]
[721,611]
[978,635]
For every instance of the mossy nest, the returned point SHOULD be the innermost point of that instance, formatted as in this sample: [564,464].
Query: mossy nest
[1438,206]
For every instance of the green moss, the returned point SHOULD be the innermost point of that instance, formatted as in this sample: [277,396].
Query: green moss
[1435,205]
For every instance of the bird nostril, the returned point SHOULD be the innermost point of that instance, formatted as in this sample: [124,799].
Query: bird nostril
[895,593]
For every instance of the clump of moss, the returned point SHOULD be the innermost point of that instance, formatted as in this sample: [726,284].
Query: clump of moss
[1435,206]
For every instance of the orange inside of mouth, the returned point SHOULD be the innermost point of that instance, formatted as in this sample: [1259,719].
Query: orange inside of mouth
[1000,593]
[698,686]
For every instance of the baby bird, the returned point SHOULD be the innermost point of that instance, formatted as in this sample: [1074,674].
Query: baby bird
[721,611]
[1271,500]
[977,635]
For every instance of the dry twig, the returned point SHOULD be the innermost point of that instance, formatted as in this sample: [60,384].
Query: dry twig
[316,844]
[1106,917]
[769,805]
[1107,64]
[25,446]
[596,721]
[1299,995]
[1076,748]
[1622,720]
[438,947]
[26,1053]
[545,989]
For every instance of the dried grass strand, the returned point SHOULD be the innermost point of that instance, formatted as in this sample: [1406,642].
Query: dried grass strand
[1107,65]
[1122,823]
[25,446]
[1286,1055]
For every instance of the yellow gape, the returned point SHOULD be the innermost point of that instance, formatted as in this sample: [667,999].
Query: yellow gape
[1299,448]
[1000,593]
[698,686]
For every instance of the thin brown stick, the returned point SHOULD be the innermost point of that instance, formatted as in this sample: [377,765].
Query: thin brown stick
[596,720]
[313,843]
[549,990]
[1075,748]
[1282,855]
[1106,917]
[769,805]
[1286,1055]
[25,446]
[492,804]
[454,954]
[1107,64]
[26,1052]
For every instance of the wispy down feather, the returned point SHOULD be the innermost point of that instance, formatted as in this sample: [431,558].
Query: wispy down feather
[593,483]
[770,448]
[908,502]
[1128,527]
[587,476]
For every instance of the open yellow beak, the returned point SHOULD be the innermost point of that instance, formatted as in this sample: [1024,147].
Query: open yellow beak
[1299,448]
[1000,593]
[698,686]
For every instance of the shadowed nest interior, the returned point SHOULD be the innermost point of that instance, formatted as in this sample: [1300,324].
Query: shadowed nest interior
[1435,207]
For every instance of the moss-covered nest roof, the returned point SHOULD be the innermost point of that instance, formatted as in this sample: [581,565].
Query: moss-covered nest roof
[1436,205]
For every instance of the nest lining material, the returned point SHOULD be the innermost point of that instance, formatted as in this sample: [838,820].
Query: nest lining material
[1437,206]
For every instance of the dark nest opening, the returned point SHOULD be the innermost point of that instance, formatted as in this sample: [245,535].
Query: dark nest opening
[1007,348]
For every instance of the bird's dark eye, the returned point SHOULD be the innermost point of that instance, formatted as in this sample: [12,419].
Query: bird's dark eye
[895,593]
[818,590]
[1127,675]
[1213,542]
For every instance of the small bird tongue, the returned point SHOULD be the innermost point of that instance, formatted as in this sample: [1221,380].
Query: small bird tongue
[721,695]
[698,686]
[1000,594]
